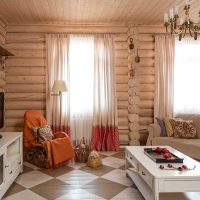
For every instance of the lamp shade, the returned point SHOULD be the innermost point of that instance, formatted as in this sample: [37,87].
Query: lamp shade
[59,86]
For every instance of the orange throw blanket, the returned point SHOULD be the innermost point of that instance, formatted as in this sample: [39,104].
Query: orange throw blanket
[59,150]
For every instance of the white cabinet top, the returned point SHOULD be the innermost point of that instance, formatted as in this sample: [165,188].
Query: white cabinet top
[153,168]
[8,138]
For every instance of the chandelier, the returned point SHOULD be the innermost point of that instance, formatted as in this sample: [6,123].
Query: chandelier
[186,25]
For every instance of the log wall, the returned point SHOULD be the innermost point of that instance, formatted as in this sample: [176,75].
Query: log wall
[25,78]
[2,72]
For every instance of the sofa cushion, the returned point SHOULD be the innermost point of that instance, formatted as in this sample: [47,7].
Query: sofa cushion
[184,129]
[190,147]
[196,120]
[161,123]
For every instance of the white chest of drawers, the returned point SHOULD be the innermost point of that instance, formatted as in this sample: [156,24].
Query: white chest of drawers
[11,159]
[151,180]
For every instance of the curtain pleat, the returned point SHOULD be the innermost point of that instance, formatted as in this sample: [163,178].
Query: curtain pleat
[57,69]
[164,76]
[105,134]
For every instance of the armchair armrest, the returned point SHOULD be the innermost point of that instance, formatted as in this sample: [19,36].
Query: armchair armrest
[60,135]
[154,131]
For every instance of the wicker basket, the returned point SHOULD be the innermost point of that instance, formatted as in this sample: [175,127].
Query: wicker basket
[94,160]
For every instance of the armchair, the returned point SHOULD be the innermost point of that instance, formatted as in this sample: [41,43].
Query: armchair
[47,153]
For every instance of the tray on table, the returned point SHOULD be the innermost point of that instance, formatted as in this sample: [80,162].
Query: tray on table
[159,158]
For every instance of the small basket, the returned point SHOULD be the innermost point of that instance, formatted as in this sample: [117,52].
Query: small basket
[94,160]
[94,163]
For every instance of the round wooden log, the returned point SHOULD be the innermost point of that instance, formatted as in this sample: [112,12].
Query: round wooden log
[122,79]
[146,96]
[145,120]
[25,79]
[134,126]
[25,105]
[146,87]
[147,62]
[25,96]
[123,132]
[146,45]
[14,37]
[134,135]
[18,113]
[25,88]
[122,88]
[146,70]
[28,62]
[122,104]
[146,104]
[133,91]
[26,71]
[24,45]
[133,82]
[123,121]
[146,37]
[121,71]
[133,118]
[14,129]
[31,53]
[120,37]
[146,112]
[121,61]
[146,53]
[122,113]
[121,53]
[2,84]
[2,74]
[133,109]
[146,79]
[134,100]
[19,122]
[122,96]
[121,45]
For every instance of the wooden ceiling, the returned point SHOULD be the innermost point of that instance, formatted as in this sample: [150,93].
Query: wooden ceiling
[146,12]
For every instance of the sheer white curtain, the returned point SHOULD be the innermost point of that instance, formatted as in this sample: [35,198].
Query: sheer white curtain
[105,128]
[81,62]
[164,76]
[187,76]
[57,69]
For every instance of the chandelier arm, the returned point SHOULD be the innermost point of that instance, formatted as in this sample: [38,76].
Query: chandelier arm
[173,31]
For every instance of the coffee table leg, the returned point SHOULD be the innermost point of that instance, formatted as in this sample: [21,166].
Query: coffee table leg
[156,191]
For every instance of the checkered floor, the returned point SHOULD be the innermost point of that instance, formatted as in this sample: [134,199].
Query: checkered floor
[76,181]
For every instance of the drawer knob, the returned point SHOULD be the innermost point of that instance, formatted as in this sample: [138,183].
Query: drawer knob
[10,172]
[143,174]
[131,158]
[6,166]
[19,162]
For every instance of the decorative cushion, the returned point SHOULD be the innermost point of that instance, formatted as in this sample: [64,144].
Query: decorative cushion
[161,123]
[184,129]
[43,133]
[168,126]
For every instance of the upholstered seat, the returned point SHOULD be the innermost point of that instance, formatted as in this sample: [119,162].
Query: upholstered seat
[48,153]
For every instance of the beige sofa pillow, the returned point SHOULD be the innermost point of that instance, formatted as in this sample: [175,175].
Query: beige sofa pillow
[168,127]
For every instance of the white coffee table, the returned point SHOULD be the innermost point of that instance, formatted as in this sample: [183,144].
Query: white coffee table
[151,180]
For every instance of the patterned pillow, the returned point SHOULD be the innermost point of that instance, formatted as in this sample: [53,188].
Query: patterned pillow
[184,129]
[43,133]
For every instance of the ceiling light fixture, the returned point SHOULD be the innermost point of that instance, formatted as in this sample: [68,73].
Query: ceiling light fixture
[186,25]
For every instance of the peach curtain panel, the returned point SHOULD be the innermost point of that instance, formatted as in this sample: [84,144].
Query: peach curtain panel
[57,69]
[105,127]
[164,76]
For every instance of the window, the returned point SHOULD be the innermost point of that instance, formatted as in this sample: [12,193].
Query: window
[187,76]
[81,81]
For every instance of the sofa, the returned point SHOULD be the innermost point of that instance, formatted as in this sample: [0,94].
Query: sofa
[190,147]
